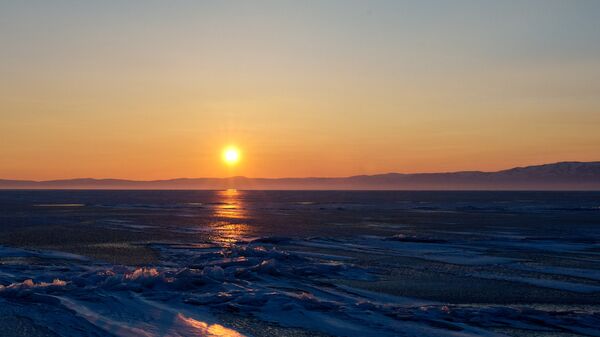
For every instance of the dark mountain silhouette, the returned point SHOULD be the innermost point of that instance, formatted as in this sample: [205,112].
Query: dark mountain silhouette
[557,176]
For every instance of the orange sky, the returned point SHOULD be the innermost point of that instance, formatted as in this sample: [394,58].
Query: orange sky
[306,89]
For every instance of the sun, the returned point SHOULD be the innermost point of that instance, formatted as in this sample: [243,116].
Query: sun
[231,155]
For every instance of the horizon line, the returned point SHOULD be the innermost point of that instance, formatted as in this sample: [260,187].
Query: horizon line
[299,177]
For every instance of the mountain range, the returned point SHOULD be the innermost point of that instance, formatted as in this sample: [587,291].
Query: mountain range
[556,176]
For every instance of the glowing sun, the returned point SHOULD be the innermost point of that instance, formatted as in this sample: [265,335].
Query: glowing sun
[231,155]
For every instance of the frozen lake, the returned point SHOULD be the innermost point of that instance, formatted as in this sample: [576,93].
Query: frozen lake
[299,263]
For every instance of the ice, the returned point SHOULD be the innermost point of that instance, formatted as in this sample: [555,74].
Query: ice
[59,205]
[546,283]
[575,272]
[46,254]
[418,248]
[30,284]
[336,278]
[274,285]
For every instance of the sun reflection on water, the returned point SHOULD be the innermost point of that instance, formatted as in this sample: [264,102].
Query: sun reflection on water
[230,212]
[230,205]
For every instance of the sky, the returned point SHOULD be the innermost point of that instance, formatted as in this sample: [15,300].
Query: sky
[156,89]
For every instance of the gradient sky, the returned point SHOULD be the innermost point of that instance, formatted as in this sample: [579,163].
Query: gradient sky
[155,89]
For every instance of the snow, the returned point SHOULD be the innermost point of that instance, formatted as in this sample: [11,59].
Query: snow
[265,281]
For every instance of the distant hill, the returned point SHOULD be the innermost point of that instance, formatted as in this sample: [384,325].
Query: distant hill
[557,176]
